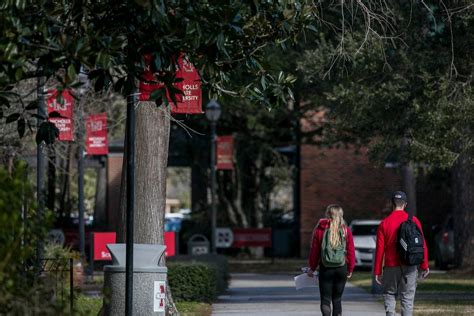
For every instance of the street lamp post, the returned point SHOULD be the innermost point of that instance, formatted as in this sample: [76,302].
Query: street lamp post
[213,113]
[40,166]
[83,78]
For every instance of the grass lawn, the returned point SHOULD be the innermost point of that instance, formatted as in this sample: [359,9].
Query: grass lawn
[443,308]
[194,309]
[435,283]
[362,279]
[84,305]
[436,295]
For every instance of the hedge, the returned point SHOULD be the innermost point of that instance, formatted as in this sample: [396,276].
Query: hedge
[218,262]
[197,278]
[192,282]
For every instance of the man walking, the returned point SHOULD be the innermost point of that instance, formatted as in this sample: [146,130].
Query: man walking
[398,277]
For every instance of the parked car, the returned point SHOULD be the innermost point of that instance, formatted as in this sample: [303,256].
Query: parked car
[444,244]
[365,234]
[173,222]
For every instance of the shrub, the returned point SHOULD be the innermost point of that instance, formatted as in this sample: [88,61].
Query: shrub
[22,290]
[192,282]
[218,264]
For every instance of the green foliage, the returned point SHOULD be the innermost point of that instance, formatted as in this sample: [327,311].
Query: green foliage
[192,282]
[15,197]
[217,263]
[418,85]
[22,290]
[56,38]
[85,305]
[194,308]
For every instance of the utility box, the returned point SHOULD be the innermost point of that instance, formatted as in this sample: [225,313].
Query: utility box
[198,245]
[149,280]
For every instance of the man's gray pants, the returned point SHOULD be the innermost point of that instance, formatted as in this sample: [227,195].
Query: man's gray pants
[401,281]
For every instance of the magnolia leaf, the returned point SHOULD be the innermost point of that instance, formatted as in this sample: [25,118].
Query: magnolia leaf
[71,72]
[12,117]
[33,105]
[55,114]
[47,132]
[21,127]
[156,94]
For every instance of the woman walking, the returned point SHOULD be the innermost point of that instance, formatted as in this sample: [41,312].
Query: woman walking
[332,251]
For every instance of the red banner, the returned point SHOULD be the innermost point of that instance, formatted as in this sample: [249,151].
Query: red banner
[96,134]
[225,153]
[60,112]
[100,241]
[170,242]
[149,82]
[190,102]
[252,237]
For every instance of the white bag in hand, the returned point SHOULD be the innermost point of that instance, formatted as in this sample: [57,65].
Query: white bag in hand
[303,280]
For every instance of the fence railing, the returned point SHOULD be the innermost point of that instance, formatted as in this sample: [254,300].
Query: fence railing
[61,272]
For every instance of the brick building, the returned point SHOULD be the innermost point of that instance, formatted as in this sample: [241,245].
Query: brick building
[338,175]
[341,176]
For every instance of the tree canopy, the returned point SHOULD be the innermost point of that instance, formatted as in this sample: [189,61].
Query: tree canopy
[418,85]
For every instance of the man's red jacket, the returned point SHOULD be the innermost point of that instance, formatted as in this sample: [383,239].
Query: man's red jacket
[315,253]
[387,242]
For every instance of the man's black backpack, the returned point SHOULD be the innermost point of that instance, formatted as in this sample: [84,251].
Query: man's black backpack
[410,242]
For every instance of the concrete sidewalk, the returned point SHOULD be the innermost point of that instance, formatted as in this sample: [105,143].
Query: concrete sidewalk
[274,294]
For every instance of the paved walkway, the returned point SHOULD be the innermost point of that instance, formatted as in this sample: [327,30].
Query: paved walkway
[274,294]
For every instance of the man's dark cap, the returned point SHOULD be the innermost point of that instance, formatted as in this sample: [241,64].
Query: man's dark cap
[399,195]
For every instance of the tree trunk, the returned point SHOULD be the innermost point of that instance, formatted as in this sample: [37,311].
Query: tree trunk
[409,185]
[100,214]
[222,189]
[463,209]
[409,179]
[236,203]
[151,151]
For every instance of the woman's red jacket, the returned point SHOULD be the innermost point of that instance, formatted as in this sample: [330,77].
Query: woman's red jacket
[315,253]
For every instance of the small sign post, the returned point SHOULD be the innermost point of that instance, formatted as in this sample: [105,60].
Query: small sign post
[224,237]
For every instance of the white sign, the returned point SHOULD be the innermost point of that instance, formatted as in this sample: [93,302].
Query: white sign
[224,237]
[159,296]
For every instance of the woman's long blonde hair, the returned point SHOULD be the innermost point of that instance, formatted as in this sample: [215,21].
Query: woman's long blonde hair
[335,213]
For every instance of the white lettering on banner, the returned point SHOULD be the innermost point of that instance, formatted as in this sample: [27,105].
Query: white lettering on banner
[159,295]
[95,126]
[105,255]
[62,124]
[190,87]
[58,106]
[188,67]
[190,97]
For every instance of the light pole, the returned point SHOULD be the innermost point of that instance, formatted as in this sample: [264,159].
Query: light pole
[40,166]
[83,78]
[213,113]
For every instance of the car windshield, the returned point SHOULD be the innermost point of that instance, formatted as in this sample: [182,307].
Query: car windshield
[364,230]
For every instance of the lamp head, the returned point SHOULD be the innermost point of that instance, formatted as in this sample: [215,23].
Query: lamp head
[213,111]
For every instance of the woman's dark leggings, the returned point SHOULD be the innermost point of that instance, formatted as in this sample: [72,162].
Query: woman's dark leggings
[331,285]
